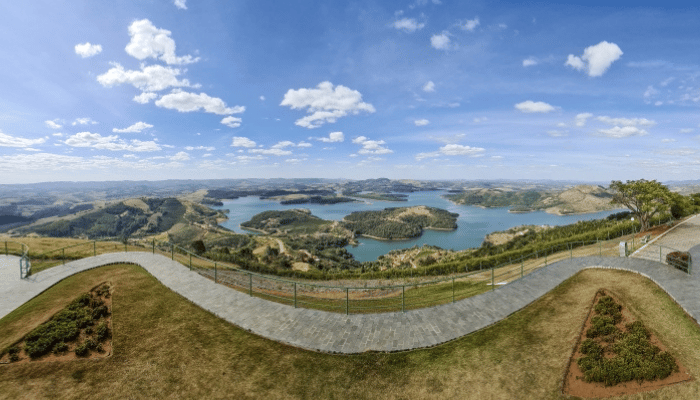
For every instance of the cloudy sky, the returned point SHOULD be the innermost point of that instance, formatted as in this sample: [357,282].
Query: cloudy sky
[425,89]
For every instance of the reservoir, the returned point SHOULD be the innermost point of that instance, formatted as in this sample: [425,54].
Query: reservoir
[473,223]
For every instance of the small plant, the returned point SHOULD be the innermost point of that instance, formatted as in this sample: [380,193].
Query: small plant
[103,291]
[14,353]
[60,348]
[679,260]
[82,350]
[102,331]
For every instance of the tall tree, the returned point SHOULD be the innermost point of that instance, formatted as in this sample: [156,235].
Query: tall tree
[644,198]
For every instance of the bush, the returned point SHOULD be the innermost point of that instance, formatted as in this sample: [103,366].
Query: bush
[82,350]
[60,348]
[102,331]
[679,259]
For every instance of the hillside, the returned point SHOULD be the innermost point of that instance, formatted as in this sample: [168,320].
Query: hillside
[136,217]
[579,199]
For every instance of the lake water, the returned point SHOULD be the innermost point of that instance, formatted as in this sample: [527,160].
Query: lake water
[474,223]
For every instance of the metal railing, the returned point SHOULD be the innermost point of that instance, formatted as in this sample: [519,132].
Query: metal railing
[374,296]
[19,249]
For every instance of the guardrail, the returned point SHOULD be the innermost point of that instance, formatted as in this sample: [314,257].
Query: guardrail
[401,295]
[19,249]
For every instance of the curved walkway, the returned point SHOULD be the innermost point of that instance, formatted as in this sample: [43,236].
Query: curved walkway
[337,333]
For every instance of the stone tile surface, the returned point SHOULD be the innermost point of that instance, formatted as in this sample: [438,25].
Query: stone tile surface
[395,331]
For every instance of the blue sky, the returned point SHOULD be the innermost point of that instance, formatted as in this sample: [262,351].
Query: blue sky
[423,89]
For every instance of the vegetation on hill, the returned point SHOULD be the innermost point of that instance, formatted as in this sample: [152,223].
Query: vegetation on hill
[377,196]
[274,221]
[400,222]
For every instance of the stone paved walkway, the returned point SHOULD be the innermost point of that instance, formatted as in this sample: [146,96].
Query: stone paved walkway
[338,333]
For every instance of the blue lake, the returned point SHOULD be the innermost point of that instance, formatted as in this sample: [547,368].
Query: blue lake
[474,223]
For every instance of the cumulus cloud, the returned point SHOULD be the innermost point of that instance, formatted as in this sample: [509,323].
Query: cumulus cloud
[239,141]
[13,141]
[530,106]
[145,97]
[529,62]
[626,121]
[83,121]
[409,25]
[53,124]
[188,102]
[325,104]
[205,148]
[181,4]
[470,24]
[452,150]
[86,50]
[371,146]
[429,86]
[581,118]
[333,137]
[304,144]
[421,122]
[440,41]
[148,79]
[149,41]
[595,59]
[621,132]
[135,128]
[232,122]
[113,143]
[272,151]
[180,156]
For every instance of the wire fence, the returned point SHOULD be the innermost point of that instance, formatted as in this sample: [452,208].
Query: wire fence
[373,296]
[19,249]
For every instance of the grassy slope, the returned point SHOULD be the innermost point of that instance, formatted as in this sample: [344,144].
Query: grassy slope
[166,347]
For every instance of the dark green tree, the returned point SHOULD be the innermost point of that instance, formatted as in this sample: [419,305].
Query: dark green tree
[644,198]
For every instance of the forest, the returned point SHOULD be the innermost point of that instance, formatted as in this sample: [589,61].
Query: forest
[399,222]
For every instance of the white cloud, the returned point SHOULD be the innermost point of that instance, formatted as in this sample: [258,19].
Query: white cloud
[409,25]
[58,134]
[429,86]
[190,148]
[421,122]
[371,146]
[325,104]
[262,98]
[621,132]
[332,137]
[283,144]
[181,4]
[668,140]
[12,141]
[686,130]
[626,121]
[86,50]
[452,150]
[83,121]
[180,156]
[478,120]
[529,62]
[580,119]
[595,59]
[304,144]
[145,97]
[530,106]
[135,128]
[148,79]
[440,42]
[232,122]
[188,102]
[273,151]
[470,24]
[239,141]
[555,133]
[53,124]
[113,143]
[149,41]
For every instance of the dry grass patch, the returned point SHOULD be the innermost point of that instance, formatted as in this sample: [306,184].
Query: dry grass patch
[164,346]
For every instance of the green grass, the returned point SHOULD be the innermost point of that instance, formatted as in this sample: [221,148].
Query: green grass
[164,346]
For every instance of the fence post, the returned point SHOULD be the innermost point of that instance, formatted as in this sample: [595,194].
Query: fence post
[214,271]
[154,246]
[453,289]
[660,260]
[295,295]
[6,253]
[493,283]
[190,261]
[522,265]
[172,251]
[63,250]
[125,242]
[545,259]
[571,251]
[403,298]
[600,249]
[347,301]
[250,285]
[94,247]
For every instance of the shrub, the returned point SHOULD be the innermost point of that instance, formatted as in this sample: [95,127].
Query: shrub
[102,331]
[60,348]
[82,350]
[678,259]
[601,326]
[99,312]
[103,291]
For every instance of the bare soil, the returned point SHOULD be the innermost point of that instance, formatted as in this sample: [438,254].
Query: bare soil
[69,355]
[575,385]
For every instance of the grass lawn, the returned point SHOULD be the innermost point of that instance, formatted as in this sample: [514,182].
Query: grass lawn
[164,346]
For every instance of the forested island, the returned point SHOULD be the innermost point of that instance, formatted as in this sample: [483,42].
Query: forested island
[398,223]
